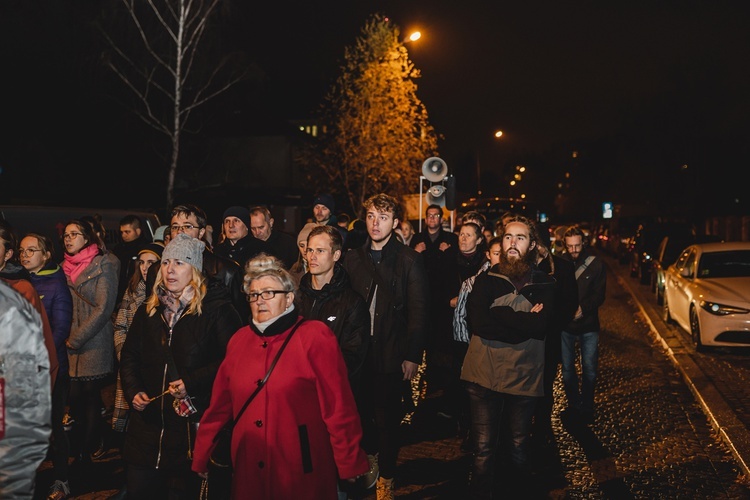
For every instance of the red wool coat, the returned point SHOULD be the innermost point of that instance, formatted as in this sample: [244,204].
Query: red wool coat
[301,432]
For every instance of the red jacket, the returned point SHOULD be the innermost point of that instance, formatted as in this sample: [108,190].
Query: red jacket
[301,432]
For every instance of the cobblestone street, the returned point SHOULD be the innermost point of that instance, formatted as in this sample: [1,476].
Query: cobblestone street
[650,437]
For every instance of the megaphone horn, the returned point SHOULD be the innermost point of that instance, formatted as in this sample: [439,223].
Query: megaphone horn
[435,195]
[434,169]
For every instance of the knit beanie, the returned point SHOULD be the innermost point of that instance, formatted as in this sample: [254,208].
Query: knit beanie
[185,248]
[326,200]
[305,232]
[241,213]
[154,248]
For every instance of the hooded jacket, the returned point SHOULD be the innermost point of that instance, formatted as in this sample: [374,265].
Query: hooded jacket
[52,287]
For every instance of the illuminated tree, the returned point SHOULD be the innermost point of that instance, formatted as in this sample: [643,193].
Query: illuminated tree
[375,131]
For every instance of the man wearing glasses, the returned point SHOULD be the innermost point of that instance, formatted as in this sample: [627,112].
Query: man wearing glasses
[439,249]
[192,220]
[591,278]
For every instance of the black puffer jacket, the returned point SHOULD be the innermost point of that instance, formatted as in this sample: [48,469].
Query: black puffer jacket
[198,346]
[345,312]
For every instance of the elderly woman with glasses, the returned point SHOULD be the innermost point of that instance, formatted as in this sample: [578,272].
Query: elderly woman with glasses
[92,275]
[302,432]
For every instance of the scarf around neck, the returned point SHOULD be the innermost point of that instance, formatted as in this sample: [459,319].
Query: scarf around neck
[75,264]
[175,306]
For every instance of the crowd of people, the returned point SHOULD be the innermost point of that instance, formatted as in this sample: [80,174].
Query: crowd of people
[192,333]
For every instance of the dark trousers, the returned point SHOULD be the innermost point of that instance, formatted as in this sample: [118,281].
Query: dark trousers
[159,484]
[487,412]
[543,413]
[85,408]
[381,413]
[60,443]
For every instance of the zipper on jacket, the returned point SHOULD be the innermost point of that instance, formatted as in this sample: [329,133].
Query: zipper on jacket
[164,383]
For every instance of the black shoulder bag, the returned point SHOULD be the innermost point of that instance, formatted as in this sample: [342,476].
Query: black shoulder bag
[221,456]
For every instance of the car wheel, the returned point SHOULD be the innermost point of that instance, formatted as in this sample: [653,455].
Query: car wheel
[665,314]
[695,331]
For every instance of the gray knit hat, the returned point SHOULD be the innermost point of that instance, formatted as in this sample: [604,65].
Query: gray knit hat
[185,248]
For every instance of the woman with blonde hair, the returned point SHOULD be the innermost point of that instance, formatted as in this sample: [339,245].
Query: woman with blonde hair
[174,346]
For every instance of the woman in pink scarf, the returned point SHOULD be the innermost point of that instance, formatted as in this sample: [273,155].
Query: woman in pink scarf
[92,276]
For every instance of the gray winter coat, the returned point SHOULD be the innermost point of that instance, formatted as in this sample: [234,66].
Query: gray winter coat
[25,403]
[91,343]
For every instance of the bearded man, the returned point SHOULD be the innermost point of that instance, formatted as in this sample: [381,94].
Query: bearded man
[509,311]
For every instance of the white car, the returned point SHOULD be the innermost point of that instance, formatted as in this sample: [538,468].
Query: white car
[707,292]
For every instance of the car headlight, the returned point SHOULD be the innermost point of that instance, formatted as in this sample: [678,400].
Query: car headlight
[721,309]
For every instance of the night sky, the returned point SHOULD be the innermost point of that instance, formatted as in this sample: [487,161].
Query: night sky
[639,89]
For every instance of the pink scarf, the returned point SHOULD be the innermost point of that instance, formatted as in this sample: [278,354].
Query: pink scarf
[75,264]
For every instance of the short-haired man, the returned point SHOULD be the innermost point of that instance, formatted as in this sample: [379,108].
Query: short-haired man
[277,243]
[439,249]
[191,220]
[393,280]
[591,277]
[238,245]
[133,241]
[325,294]
[509,311]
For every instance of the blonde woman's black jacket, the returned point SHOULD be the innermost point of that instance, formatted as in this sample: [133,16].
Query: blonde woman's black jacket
[401,308]
[198,346]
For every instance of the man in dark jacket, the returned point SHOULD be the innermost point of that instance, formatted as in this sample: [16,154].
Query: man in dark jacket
[509,311]
[326,295]
[392,278]
[591,277]
[239,244]
[566,304]
[133,239]
[439,249]
[222,272]
[278,243]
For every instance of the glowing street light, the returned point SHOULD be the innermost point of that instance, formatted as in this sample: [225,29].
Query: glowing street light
[413,37]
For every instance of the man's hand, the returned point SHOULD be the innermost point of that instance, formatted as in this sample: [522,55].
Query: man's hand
[537,307]
[177,389]
[579,313]
[409,369]
[444,246]
[420,247]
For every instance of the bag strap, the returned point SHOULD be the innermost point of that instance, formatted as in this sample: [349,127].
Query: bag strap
[583,266]
[261,383]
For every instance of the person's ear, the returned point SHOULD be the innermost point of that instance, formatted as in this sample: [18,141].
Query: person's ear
[270,223]
[336,255]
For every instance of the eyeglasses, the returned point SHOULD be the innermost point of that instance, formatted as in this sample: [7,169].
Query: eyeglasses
[23,252]
[433,216]
[266,294]
[185,227]
[71,236]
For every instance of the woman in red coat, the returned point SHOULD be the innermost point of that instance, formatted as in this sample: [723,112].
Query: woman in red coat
[302,431]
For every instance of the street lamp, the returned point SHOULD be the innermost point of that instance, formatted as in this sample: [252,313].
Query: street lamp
[413,37]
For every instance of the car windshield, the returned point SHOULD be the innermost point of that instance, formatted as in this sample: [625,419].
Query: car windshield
[730,264]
